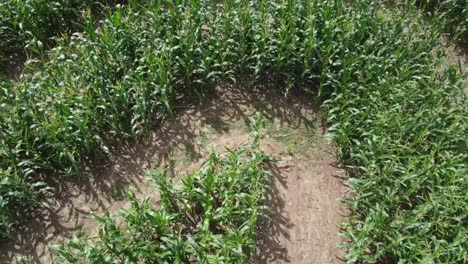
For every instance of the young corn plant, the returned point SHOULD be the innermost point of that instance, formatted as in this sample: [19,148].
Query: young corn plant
[26,24]
[400,124]
[210,217]
[452,13]
[398,118]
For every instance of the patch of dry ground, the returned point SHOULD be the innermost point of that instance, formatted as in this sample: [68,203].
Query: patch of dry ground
[305,212]
[456,55]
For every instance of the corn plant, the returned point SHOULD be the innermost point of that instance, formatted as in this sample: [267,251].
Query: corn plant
[452,13]
[25,24]
[401,129]
[398,117]
[210,217]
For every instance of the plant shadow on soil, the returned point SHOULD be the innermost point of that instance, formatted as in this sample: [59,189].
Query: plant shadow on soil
[219,121]
[269,247]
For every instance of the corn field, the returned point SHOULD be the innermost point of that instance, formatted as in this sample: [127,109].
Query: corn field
[209,218]
[399,119]
[453,14]
[26,26]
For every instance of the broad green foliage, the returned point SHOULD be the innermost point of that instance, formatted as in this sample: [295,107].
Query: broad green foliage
[209,218]
[401,127]
[30,24]
[453,13]
[15,188]
[399,120]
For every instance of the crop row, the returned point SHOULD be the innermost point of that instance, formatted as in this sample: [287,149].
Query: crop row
[29,25]
[210,217]
[399,120]
[452,13]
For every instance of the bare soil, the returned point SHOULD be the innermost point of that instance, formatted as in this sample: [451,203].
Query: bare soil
[305,212]
[456,55]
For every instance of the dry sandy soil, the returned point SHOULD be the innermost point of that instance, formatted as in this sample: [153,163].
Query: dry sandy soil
[305,211]
[456,55]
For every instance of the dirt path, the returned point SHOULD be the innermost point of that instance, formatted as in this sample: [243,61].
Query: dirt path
[305,213]
[305,216]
